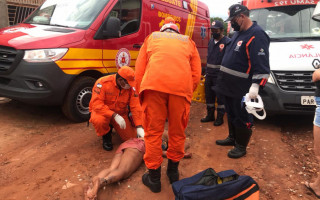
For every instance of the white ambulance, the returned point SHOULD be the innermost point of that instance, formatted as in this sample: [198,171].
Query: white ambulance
[294,53]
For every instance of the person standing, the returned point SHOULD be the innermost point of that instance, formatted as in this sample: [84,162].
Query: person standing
[315,186]
[216,50]
[244,69]
[111,97]
[168,70]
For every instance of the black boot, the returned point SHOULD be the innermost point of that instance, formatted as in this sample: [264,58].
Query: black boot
[151,179]
[107,141]
[243,136]
[172,171]
[219,120]
[210,115]
[230,140]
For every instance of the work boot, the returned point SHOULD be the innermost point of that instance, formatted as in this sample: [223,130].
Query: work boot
[210,115]
[151,179]
[219,120]
[172,171]
[230,140]
[243,136]
[107,141]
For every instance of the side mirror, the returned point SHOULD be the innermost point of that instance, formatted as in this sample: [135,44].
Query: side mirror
[111,28]
[316,13]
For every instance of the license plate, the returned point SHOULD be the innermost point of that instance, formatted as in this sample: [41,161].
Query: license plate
[307,100]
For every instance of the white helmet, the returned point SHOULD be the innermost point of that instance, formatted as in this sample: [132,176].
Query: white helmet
[254,105]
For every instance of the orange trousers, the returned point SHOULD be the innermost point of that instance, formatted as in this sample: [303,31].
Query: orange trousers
[101,125]
[157,107]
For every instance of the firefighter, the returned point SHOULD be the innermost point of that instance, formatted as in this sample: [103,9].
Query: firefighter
[244,69]
[168,70]
[111,97]
[216,49]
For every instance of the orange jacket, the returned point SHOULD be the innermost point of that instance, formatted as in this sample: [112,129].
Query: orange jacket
[169,63]
[107,99]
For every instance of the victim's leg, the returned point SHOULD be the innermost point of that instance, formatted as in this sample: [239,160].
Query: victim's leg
[129,163]
[97,180]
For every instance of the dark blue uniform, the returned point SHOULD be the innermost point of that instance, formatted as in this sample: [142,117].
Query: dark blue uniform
[215,55]
[246,61]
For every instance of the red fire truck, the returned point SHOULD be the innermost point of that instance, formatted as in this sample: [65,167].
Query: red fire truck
[294,53]
[57,53]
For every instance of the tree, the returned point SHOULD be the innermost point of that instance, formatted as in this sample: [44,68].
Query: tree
[220,19]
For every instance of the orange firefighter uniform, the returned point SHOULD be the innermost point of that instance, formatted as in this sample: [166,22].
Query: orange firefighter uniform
[168,70]
[108,99]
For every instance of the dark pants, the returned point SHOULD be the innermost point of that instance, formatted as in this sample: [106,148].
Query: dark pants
[237,113]
[211,95]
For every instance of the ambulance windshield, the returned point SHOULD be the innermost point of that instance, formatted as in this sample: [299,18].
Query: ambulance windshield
[67,13]
[287,22]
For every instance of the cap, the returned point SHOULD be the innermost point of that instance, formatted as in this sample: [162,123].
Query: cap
[168,20]
[235,10]
[169,23]
[217,25]
[128,74]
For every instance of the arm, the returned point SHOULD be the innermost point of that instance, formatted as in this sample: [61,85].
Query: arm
[135,108]
[141,64]
[97,100]
[259,57]
[195,63]
[259,60]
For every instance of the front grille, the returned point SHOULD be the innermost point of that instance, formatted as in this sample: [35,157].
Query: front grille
[295,80]
[7,57]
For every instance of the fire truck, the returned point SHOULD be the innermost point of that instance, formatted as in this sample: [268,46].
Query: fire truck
[294,53]
[56,54]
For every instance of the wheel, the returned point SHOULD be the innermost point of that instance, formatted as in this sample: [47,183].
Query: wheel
[76,104]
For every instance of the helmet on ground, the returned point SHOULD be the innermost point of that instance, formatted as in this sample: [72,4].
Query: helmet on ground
[254,105]
[169,23]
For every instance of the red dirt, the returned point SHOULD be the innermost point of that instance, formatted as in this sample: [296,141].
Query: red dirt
[42,154]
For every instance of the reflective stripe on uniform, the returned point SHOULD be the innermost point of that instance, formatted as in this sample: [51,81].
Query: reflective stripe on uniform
[233,72]
[221,106]
[213,66]
[260,76]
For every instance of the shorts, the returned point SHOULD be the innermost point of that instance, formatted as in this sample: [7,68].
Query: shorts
[316,120]
[132,143]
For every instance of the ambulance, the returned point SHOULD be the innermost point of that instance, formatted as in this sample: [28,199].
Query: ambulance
[294,53]
[55,56]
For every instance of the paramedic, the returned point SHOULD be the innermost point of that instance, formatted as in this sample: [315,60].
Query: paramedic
[111,97]
[244,69]
[216,49]
[168,70]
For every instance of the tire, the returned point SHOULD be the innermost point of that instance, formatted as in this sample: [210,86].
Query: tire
[76,103]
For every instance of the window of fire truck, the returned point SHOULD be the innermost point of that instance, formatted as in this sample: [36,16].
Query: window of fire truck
[287,22]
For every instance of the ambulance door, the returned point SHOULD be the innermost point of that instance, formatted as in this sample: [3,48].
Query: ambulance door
[123,51]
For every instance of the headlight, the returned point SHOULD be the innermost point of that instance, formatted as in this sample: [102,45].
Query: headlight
[271,80]
[44,55]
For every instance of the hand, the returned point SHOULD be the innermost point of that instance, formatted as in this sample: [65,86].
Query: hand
[253,91]
[120,121]
[140,132]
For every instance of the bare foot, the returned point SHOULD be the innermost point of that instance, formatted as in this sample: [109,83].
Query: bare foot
[93,188]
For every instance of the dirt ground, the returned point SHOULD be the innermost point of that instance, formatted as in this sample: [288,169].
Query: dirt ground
[45,156]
